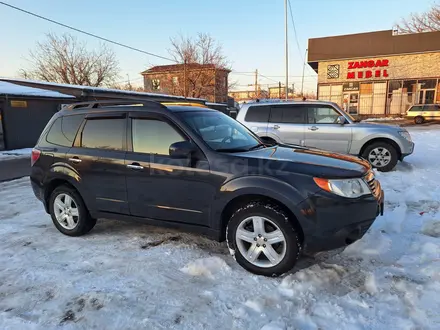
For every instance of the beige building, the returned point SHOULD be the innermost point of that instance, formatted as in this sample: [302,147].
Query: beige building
[378,73]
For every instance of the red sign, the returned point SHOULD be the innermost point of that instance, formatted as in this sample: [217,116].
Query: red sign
[370,64]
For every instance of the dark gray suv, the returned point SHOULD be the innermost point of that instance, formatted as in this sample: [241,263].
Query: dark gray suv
[198,169]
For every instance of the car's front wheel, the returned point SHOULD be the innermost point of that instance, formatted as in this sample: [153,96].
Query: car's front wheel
[263,240]
[68,212]
[381,155]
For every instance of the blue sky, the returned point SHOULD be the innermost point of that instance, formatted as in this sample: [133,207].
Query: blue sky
[251,32]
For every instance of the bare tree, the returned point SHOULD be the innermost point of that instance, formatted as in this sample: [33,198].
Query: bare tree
[423,22]
[202,57]
[63,59]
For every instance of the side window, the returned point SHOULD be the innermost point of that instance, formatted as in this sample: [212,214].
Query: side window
[259,114]
[153,136]
[323,115]
[64,129]
[431,107]
[416,108]
[276,115]
[292,114]
[106,134]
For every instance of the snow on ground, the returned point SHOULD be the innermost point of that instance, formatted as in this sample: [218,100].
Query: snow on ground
[17,153]
[130,276]
[384,119]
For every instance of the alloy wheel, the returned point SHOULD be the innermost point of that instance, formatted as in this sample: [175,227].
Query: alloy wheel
[66,211]
[261,241]
[379,157]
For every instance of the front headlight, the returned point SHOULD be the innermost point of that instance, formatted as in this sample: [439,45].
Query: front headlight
[405,135]
[350,188]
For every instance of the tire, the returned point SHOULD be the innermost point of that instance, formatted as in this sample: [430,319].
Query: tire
[287,251]
[381,150]
[82,222]
[269,141]
[419,120]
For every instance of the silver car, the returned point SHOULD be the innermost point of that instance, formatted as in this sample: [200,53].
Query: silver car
[324,125]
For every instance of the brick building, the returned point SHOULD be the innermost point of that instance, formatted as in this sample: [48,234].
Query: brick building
[378,73]
[191,80]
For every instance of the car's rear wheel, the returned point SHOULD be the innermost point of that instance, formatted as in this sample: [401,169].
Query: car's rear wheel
[68,212]
[381,155]
[419,120]
[263,240]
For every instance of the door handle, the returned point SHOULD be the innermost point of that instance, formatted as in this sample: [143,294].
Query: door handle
[276,126]
[313,128]
[75,160]
[135,166]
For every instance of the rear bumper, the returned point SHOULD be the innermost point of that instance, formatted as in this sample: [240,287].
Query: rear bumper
[339,222]
[39,192]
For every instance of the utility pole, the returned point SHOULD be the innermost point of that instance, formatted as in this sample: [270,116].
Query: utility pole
[293,91]
[279,89]
[287,49]
[184,78]
[256,84]
[304,66]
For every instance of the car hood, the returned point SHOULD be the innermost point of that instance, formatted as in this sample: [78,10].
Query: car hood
[315,162]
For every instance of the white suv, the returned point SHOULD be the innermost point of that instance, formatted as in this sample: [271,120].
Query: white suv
[324,125]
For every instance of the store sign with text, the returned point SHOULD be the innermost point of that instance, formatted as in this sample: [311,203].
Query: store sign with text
[368,69]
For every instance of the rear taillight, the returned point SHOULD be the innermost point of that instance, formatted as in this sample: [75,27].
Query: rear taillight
[35,156]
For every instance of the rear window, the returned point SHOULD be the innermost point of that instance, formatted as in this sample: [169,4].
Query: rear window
[64,129]
[108,134]
[259,114]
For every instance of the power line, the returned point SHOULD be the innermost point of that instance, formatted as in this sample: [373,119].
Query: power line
[294,31]
[88,33]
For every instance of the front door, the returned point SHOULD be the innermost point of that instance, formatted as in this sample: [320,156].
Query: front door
[98,156]
[160,187]
[287,122]
[323,131]
[426,96]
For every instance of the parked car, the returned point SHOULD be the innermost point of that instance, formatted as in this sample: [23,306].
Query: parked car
[198,169]
[422,112]
[324,125]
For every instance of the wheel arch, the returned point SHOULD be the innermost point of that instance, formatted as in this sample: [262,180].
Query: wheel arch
[245,199]
[384,140]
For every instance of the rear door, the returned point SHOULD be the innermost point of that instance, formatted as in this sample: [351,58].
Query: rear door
[257,118]
[287,122]
[323,132]
[98,155]
[431,111]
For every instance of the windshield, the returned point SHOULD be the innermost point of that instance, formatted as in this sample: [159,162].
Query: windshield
[221,132]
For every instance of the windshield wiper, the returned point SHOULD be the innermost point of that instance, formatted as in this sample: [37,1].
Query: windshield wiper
[258,146]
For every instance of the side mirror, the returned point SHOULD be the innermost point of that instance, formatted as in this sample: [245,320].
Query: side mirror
[341,120]
[182,149]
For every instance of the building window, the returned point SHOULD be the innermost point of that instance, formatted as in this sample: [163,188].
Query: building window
[175,81]
[155,84]
[333,71]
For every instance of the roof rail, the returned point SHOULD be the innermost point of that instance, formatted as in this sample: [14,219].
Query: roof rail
[111,103]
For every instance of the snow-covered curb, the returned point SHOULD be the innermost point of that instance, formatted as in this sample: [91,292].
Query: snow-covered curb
[384,119]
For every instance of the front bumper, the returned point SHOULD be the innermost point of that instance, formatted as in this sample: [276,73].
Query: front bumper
[407,149]
[337,222]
